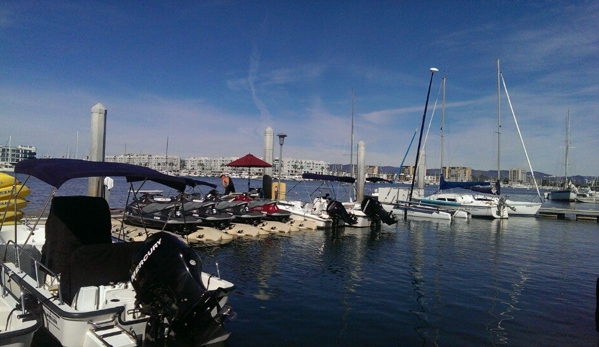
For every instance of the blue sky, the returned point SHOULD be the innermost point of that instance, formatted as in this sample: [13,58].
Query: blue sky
[212,75]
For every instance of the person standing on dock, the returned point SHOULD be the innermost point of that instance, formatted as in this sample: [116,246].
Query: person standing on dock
[227,184]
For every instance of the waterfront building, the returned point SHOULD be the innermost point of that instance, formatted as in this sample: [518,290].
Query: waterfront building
[206,166]
[296,167]
[157,162]
[10,155]
[457,173]
[518,176]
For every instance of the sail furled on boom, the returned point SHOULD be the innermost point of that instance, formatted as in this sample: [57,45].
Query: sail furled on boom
[481,186]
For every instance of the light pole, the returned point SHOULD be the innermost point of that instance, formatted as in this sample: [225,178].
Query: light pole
[432,70]
[281,142]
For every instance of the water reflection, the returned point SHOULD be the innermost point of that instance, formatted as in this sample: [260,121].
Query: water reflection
[427,305]
[504,308]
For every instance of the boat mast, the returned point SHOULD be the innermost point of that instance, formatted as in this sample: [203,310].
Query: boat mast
[567,146]
[351,155]
[441,172]
[498,122]
[166,156]
[430,83]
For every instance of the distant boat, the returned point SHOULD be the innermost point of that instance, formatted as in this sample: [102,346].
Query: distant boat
[568,191]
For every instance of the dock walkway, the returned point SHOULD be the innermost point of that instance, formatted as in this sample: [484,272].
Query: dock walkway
[566,213]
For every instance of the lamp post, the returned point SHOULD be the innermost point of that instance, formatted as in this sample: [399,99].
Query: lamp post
[281,142]
[432,70]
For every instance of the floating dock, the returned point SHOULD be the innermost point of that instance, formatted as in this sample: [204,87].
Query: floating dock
[566,213]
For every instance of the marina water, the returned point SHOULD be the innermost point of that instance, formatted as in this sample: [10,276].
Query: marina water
[519,282]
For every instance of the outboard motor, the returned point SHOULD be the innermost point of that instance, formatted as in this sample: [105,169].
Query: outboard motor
[166,276]
[374,209]
[337,212]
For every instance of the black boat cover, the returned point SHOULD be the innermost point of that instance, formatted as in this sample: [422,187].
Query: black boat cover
[79,245]
[318,177]
[57,171]
[377,180]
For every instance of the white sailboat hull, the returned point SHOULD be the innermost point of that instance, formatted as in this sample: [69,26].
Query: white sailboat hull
[523,208]
[465,202]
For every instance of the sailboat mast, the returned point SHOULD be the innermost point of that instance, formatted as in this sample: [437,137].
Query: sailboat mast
[567,144]
[351,155]
[166,155]
[498,122]
[441,172]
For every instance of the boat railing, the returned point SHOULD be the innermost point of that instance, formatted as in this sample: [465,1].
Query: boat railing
[40,270]
[5,273]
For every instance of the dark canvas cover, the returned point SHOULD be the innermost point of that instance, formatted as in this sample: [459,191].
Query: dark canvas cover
[79,245]
[74,221]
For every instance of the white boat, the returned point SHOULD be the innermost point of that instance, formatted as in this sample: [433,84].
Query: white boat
[18,318]
[310,213]
[394,199]
[503,206]
[323,210]
[95,292]
[467,202]
[569,193]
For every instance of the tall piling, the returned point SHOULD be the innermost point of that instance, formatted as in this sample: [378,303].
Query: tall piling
[361,172]
[268,148]
[97,147]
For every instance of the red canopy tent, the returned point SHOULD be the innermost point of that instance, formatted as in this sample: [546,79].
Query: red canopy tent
[249,161]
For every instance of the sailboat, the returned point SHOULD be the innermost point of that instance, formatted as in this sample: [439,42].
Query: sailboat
[462,202]
[569,191]
[516,208]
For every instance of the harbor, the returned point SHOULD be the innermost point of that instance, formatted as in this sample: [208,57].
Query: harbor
[516,281]
[299,174]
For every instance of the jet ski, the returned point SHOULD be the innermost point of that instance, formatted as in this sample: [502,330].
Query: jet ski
[152,210]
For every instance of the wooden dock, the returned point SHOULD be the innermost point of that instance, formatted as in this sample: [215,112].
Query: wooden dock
[566,213]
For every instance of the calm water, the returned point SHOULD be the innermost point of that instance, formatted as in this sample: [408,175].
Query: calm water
[521,282]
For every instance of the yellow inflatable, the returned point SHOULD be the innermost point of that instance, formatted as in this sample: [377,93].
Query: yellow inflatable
[7,180]
[9,204]
[10,216]
[7,192]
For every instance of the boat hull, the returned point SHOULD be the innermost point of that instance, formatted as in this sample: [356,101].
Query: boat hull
[563,195]
[524,209]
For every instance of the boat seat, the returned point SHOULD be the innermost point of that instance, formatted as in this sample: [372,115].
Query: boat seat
[308,207]
[86,298]
[156,207]
[95,265]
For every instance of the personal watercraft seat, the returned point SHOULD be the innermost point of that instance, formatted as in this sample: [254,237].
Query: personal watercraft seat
[157,207]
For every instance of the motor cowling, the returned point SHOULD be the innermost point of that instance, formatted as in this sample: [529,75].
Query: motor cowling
[337,211]
[375,210]
[166,276]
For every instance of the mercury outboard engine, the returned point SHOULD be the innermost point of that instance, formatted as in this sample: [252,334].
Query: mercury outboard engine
[337,212]
[374,209]
[166,276]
